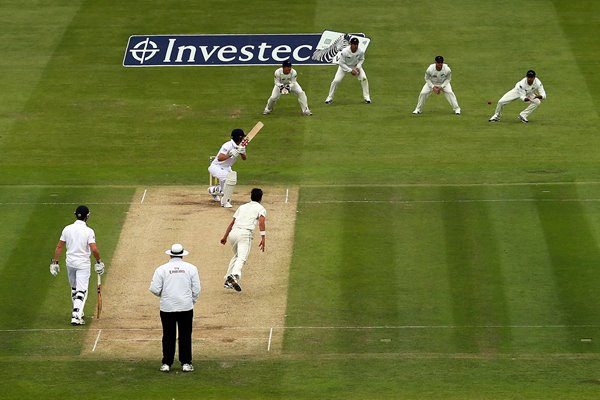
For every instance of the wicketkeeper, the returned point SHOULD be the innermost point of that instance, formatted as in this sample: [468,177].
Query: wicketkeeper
[285,82]
[221,169]
[80,241]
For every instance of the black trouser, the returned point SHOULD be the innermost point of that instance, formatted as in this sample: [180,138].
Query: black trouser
[171,322]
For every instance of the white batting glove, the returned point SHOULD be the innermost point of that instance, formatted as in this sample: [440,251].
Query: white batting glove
[234,152]
[242,149]
[99,267]
[54,268]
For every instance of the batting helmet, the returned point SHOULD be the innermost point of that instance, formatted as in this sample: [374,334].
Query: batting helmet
[286,63]
[82,212]
[439,59]
[531,73]
[354,40]
[237,135]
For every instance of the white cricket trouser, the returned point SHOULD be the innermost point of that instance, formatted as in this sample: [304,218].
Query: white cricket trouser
[296,89]
[340,74]
[448,93]
[513,95]
[79,279]
[241,243]
[220,173]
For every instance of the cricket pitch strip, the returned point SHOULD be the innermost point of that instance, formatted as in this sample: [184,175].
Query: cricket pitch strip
[226,323]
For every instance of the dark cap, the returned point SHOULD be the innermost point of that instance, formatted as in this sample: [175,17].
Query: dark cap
[354,40]
[286,63]
[531,73]
[439,59]
[237,134]
[82,212]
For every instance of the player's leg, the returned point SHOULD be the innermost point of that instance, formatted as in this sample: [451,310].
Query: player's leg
[275,95]
[228,187]
[184,326]
[451,97]
[364,83]
[339,75]
[302,99]
[423,95]
[533,104]
[244,245]
[169,326]
[509,96]
[82,280]
[220,173]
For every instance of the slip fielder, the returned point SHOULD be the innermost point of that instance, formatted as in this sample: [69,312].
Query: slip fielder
[350,61]
[529,90]
[437,80]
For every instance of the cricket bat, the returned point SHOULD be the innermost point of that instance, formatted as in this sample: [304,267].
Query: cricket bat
[253,132]
[99,306]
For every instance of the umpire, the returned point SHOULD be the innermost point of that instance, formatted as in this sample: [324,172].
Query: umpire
[177,283]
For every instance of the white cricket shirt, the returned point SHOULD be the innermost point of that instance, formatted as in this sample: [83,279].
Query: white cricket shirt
[225,148]
[78,237]
[526,90]
[348,59]
[177,283]
[246,216]
[285,79]
[438,78]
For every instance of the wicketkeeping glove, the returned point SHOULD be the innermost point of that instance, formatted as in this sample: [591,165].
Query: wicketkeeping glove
[54,268]
[99,267]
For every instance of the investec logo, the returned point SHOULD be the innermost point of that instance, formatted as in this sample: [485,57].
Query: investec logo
[202,50]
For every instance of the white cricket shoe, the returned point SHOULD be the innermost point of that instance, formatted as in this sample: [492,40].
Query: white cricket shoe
[165,368]
[76,320]
[307,113]
[416,112]
[328,100]
[214,195]
[367,101]
[226,205]
[267,111]
[187,367]
[493,118]
[523,119]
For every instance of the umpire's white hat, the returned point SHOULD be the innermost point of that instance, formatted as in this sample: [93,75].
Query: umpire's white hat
[177,250]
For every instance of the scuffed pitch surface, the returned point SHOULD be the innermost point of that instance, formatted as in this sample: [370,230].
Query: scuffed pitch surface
[226,323]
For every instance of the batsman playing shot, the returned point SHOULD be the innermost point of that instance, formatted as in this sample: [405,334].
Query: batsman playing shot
[239,233]
[221,168]
[80,241]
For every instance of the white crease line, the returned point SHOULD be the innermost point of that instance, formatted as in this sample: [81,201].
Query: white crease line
[144,196]
[97,339]
[287,194]
[258,328]
[270,338]
[452,201]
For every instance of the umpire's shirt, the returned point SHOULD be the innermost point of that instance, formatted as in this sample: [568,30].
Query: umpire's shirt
[177,283]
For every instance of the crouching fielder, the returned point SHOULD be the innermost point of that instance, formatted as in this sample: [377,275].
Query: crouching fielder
[240,234]
[285,82]
[221,168]
[529,90]
[437,79]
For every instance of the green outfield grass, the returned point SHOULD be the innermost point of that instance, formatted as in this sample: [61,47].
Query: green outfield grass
[436,256]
